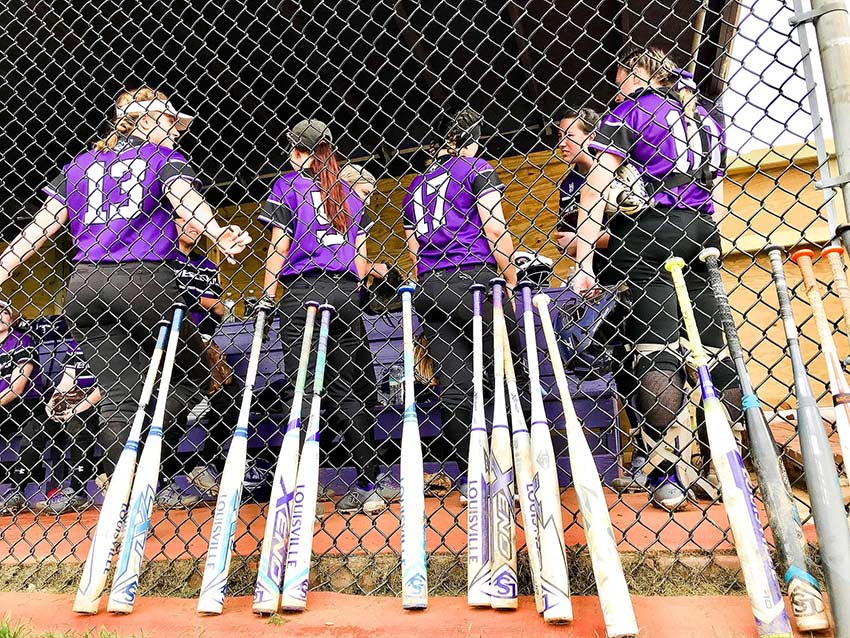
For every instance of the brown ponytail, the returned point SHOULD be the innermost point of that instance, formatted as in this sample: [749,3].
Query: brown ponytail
[124,125]
[325,169]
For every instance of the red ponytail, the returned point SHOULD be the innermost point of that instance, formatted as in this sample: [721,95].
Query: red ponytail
[326,170]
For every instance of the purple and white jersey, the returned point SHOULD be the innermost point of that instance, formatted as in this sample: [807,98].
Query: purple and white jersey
[649,130]
[116,201]
[75,361]
[441,208]
[296,205]
[197,277]
[17,349]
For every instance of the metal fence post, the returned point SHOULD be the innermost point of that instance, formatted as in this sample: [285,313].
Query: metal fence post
[832,30]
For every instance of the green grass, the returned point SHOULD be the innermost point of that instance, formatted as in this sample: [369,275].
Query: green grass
[10,629]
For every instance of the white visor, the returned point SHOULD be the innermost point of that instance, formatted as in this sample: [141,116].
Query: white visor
[157,106]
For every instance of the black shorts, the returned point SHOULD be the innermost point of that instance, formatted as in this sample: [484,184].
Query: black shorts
[639,246]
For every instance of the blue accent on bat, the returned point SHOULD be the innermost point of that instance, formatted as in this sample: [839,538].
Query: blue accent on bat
[418,581]
[241,433]
[705,383]
[410,412]
[162,337]
[802,574]
[407,287]
[294,424]
[155,431]
[750,401]
[133,446]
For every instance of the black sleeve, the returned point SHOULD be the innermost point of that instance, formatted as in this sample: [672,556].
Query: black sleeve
[366,222]
[175,168]
[278,214]
[485,181]
[58,187]
[614,136]
[26,354]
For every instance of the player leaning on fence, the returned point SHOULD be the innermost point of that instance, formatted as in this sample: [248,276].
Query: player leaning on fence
[677,149]
[119,201]
[318,253]
[457,236]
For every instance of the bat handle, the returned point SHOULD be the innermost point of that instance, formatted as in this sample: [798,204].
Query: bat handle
[803,258]
[674,266]
[836,261]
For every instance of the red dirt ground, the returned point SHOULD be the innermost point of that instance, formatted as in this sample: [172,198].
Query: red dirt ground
[343,616]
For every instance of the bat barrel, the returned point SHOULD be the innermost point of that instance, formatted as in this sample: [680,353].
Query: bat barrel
[807,602]
[414,575]
[93,579]
[835,255]
[279,517]
[478,514]
[820,472]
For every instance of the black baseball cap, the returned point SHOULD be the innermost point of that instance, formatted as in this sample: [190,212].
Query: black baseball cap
[308,133]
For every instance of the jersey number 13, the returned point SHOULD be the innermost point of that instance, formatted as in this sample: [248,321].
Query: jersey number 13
[115,190]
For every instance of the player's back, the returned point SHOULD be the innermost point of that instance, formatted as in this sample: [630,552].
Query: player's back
[441,208]
[116,205]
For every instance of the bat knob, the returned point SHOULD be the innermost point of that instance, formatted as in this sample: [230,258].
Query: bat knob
[840,230]
[773,248]
[312,304]
[802,254]
[407,287]
[674,263]
[541,301]
[477,288]
[326,307]
[178,305]
[497,281]
[708,253]
[522,285]
[838,250]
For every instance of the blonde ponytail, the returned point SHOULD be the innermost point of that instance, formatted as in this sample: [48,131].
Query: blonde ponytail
[124,125]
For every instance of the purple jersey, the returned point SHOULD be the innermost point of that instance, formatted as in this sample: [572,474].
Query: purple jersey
[296,205]
[116,202]
[441,208]
[570,192]
[17,349]
[197,277]
[76,364]
[649,130]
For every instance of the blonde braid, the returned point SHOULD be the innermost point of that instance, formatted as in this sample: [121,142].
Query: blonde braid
[662,69]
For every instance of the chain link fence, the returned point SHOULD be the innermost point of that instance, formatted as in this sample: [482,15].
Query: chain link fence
[383,76]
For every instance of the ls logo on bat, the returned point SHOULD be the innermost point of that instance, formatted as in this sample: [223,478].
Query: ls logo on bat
[416,583]
[504,585]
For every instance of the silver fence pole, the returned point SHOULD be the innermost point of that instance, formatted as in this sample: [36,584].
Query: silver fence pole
[832,30]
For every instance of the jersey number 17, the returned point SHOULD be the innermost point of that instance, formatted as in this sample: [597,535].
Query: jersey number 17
[437,186]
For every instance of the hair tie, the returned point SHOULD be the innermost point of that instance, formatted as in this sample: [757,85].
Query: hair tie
[684,80]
